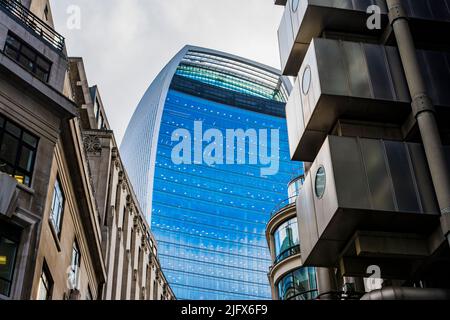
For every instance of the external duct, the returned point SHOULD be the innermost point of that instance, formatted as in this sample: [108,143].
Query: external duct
[407,293]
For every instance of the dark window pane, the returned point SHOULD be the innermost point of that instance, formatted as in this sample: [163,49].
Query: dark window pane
[42,75]
[26,63]
[43,64]
[8,148]
[32,141]
[17,151]
[13,129]
[26,158]
[13,43]
[28,53]
[8,250]
[10,52]
[28,58]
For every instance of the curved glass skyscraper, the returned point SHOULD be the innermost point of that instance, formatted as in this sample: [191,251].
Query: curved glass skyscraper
[207,152]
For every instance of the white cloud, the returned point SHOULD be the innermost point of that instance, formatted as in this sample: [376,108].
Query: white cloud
[125,43]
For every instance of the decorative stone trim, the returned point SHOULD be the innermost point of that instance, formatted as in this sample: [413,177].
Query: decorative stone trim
[92,144]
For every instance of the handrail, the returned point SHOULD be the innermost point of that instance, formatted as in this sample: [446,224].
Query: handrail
[287,253]
[33,22]
[282,204]
[303,294]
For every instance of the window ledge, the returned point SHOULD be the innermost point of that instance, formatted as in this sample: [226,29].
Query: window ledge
[55,235]
[26,189]
[4,298]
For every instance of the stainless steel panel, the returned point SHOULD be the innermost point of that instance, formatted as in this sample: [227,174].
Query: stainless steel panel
[349,80]
[423,180]
[371,185]
[294,116]
[358,72]
[313,17]
[286,38]
[306,216]
[381,189]
[359,81]
[346,160]
[402,175]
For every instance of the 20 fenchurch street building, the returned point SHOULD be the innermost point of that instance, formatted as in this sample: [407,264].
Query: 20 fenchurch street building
[208,156]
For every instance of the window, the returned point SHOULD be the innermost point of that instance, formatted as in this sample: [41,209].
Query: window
[75,266]
[286,240]
[101,123]
[45,284]
[17,151]
[9,243]
[300,284]
[306,80]
[295,4]
[27,57]
[321,182]
[46,12]
[155,290]
[89,294]
[57,207]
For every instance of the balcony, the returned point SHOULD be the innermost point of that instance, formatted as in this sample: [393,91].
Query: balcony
[32,52]
[356,81]
[287,253]
[311,18]
[29,20]
[364,185]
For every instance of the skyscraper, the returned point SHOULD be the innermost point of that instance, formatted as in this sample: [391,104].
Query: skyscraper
[209,216]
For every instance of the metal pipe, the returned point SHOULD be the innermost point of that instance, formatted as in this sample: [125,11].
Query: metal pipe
[422,106]
[407,293]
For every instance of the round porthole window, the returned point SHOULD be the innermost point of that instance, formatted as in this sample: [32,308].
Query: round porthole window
[306,80]
[295,4]
[321,182]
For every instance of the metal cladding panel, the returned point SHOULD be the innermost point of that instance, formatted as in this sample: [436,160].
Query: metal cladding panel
[294,118]
[360,81]
[306,213]
[423,181]
[313,17]
[379,175]
[286,40]
[371,185]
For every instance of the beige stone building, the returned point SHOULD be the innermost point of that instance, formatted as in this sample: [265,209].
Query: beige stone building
[70,226]
[128,246]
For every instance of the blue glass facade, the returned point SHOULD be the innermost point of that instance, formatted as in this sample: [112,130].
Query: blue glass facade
[210,220]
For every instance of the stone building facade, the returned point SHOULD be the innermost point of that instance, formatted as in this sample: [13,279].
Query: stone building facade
[70,227]
[128,245]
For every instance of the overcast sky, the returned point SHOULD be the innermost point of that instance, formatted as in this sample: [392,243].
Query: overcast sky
[125,43]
